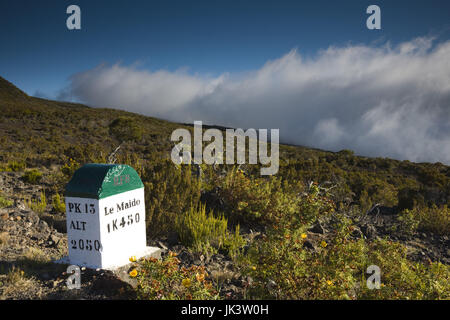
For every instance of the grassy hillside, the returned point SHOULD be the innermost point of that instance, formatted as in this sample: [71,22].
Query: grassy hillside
[36,132]
[313,216]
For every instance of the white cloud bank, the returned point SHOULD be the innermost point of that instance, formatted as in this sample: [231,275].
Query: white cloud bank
[379,101]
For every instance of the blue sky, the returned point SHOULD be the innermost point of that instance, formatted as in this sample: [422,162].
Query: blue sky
[39,54]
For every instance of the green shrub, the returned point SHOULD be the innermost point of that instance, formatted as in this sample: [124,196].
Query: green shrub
[126,128]
[403,279]
[257,200]
[435,219]
[346,153]
[282,268]
[312,205]
[170,191]
[206,233]
[38,205]
[409,198]
[58,203]
[5,202]
[408,222]
[32,176]
[233,243]
[377,191]
[69,168]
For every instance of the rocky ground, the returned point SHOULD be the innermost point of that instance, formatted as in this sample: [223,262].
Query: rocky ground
[31,242]
[381,223]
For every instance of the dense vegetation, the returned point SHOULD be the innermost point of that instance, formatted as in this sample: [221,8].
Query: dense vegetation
[210,205]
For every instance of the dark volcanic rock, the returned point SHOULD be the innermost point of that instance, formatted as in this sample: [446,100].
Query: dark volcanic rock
[369,231]
[309,245]
[109,284]
[317,228]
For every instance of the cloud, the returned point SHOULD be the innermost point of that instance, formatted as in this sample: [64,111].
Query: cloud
[388,101]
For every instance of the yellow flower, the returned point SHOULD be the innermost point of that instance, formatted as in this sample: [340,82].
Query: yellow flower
[323,243]
[132,259]
[329,282]
[186,282]
[200,277]
[253,268]
[133,273]
[303,235]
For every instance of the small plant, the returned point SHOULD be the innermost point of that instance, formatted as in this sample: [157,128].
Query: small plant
[32,176]
[15,166]
[408,222]
[166,280]
[69,168]
[15,275]
[207,233]
[58,203]
[201,231]
[5,202]
[38,205]
[233,243]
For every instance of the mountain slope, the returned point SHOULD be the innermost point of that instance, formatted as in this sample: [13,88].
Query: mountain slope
[40,132]
[9,92]
[311,230]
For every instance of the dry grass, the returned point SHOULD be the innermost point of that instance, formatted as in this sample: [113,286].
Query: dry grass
[4,238]
[36,255]
[17,285]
